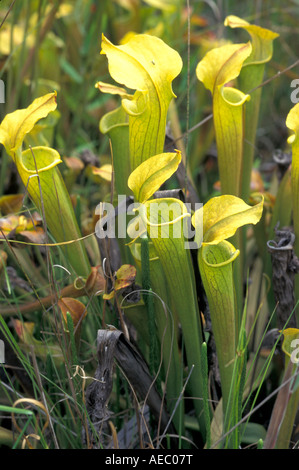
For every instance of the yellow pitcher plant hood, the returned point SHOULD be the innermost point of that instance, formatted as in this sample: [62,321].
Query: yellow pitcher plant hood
[37,167]
[151,174]
[15,126]
[216,70]
[148,66]
[251,76]
[221,217]
[261,39]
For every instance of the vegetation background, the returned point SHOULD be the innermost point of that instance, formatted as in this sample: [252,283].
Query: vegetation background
[55,45]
